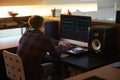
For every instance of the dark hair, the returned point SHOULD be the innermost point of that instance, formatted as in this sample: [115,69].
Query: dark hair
[35,21]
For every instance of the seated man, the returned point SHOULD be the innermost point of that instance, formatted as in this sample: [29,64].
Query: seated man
[33,47]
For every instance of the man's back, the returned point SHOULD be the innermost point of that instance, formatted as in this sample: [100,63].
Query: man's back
[32,48]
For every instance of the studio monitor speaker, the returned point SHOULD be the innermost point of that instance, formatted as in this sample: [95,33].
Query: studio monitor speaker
[118,16]
[102,40]
[52,29]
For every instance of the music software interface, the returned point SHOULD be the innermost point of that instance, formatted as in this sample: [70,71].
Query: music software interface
[75,29]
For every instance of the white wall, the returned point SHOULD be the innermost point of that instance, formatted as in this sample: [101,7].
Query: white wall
[43,7]
[101,14]
[105,11]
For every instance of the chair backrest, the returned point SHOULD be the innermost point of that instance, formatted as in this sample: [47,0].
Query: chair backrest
[14,66]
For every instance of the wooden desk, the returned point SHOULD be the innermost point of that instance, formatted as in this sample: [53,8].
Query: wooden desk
[107,72]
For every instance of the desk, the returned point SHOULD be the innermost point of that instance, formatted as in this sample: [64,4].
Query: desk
[86,62]
[107,72]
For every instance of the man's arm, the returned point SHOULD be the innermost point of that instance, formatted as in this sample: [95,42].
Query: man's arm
[61,43]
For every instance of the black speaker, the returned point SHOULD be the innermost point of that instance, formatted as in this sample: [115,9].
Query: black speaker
[102,40]
[118,16]
[52,29]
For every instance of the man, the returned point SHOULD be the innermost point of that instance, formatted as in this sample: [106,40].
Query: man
[33,47]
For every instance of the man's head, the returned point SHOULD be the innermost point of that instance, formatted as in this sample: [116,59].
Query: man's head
[35,22]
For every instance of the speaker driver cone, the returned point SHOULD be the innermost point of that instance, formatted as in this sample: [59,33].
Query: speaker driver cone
[96,45]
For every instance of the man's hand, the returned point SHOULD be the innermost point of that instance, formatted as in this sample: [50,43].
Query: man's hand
[65,44]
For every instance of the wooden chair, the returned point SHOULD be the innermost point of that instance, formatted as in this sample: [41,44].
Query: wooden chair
[14,66]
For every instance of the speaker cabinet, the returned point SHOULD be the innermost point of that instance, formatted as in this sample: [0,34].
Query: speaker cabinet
[102,40]
[52,29]
[118,16]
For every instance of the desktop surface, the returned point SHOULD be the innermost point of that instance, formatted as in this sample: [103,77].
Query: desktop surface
[86,62]
[103,73]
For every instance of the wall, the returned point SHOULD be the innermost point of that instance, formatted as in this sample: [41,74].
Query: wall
[106,8]
[19,2]
[43,7]
[101,14]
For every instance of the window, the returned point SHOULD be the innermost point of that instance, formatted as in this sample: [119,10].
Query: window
[12,32]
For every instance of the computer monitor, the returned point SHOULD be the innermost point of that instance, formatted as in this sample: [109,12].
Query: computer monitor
[118,16]
[75,29]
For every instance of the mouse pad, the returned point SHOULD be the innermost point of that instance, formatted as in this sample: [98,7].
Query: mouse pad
[94,78]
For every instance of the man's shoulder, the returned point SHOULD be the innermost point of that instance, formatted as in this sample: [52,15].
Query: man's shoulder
[36,35]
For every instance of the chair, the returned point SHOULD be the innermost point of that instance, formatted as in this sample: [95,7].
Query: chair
[14,66]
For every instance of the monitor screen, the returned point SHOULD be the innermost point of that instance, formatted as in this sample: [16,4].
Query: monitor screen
[75,29]
[117,16]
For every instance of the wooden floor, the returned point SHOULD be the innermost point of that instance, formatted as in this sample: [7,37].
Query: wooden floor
[8,42]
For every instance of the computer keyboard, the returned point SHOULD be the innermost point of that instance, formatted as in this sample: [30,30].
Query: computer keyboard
[75,49]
